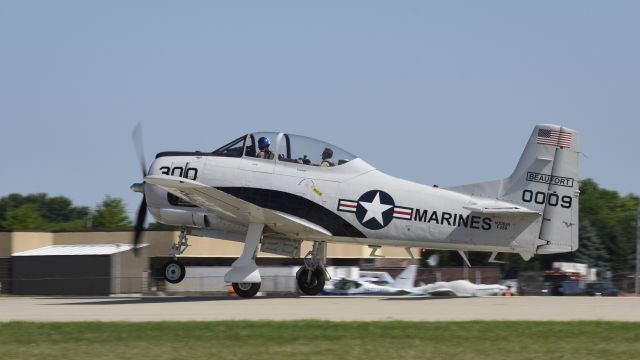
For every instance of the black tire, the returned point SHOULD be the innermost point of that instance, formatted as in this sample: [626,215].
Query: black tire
[246,290]
[174,271]
[313,286]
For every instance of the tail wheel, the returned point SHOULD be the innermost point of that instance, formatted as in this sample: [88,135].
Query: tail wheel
[246,290]
[311,285]
[174,271]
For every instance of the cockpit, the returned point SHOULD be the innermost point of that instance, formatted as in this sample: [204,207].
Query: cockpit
[286,148]
[346,285]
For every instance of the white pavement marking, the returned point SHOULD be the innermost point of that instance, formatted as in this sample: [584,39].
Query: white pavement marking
[184,308]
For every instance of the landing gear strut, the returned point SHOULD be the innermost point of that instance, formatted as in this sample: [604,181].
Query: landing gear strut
[181,246]
[312,275]
[244,275]
[174,271]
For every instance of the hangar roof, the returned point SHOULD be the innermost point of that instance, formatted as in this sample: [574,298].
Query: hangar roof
[84,249]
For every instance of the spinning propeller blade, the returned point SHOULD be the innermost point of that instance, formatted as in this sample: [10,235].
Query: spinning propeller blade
[137,143]
[142,210]
[140,219]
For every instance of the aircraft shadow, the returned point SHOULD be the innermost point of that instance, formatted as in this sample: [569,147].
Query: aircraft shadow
[203,298]
[429,298]
[157,300]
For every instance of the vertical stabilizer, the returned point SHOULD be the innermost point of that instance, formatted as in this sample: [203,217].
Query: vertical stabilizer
[546,180]
[407,278]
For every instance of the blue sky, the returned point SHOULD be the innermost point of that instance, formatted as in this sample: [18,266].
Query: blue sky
[440,92]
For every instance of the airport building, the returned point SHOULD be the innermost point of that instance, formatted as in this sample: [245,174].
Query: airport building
[95,269]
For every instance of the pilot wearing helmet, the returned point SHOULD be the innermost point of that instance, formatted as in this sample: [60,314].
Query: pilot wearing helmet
[263,145]
[327,154]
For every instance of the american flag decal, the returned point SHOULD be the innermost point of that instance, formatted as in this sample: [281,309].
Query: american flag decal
[347,205]
[554,138]
[401,212]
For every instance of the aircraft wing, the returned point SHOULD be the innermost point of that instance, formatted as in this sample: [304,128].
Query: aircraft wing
[236,209]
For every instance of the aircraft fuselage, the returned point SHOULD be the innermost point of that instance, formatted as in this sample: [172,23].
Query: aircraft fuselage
[355,202]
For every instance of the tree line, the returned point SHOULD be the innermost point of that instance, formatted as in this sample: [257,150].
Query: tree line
[608,228]
[40,212]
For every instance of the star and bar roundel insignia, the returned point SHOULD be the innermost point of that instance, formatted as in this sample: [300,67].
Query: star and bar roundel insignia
[375,209]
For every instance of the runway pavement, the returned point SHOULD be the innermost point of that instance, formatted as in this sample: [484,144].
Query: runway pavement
[182,308]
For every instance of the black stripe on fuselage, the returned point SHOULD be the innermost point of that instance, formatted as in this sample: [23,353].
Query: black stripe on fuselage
[297,206]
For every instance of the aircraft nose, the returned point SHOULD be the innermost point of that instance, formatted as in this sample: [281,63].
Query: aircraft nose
[137,187]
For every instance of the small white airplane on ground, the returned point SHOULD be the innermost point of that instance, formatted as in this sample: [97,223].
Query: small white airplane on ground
[461,288]
[276,190]
[402,285]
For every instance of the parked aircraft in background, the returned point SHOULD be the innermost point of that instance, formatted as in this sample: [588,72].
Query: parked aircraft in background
[402,285]
[275,190]
[461,288]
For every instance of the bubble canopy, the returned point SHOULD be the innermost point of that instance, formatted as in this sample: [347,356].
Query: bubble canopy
[286,148]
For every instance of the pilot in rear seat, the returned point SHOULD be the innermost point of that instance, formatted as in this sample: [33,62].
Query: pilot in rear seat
[327,154]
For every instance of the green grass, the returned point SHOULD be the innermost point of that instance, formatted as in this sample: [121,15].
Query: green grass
[320,340]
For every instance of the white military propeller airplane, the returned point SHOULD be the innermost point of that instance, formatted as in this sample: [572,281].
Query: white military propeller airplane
[276,190]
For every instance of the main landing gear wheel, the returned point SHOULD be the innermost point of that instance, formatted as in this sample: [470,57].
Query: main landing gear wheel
[174,271]
[313,285]
[246,290]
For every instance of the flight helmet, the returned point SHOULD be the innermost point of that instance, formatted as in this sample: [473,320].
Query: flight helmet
[263,143]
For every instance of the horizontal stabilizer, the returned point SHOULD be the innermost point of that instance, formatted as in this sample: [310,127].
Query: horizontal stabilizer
[501,210]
